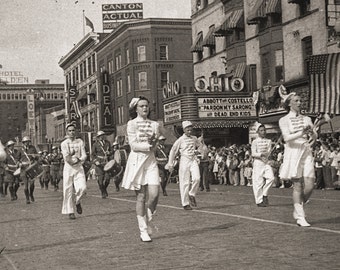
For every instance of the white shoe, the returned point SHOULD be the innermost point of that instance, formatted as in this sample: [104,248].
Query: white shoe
[301,221]
[145,237]
[282,186]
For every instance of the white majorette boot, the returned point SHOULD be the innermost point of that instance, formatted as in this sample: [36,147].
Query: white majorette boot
[299,215]
[143,228]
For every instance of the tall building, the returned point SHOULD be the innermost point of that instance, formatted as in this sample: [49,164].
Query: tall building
[15,114]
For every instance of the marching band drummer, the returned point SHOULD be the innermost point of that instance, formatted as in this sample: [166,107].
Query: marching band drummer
[298,162]
[74,154]
[46,165]
[101,154]
[27,154]
[141,173]
[120,156]
[11,164]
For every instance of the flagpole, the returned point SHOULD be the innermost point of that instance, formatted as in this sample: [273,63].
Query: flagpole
[83,22]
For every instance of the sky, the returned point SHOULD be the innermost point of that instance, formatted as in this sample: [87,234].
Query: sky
[35,34]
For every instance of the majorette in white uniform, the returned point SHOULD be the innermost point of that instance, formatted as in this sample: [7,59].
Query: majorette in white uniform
[73,175]
[263,176]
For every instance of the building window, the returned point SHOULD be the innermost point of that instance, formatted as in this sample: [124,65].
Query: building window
[265,61]
[128,82]
[278,65]
[81,72]
[110,65]
[94,63]
[163,52]
[84,67]
[304,7]
[118,62]
[77,75]
[119,87]
[73,77]
[127,55]
[120,115]
[141,53]
[164,78]
[89,66]
[307,50]
[142,80]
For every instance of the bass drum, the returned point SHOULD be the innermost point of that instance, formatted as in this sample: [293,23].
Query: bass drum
[34,170]
[2,152]
[113,168]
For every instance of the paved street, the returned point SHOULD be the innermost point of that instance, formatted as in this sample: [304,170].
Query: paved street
[226,231]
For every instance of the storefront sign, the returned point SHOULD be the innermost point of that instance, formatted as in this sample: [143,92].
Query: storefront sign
[14,77]
[31,112]
[172,111]
[219,84]
[171,89]
[74,114]
[226,107]
[107,105]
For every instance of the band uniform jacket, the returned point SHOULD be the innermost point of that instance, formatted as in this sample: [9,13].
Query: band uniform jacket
[139,132]
[162,155]
[101,152]
[27,155]
[12,160]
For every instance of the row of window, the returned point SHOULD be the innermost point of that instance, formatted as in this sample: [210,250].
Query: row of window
[22,96]
[84,70]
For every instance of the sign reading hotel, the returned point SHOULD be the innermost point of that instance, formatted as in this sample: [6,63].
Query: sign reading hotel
[172,112]
[113,14]
[226,107]
[13,77]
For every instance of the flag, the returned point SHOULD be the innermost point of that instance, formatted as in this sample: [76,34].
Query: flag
[77,109]
[89,23]
[324,83]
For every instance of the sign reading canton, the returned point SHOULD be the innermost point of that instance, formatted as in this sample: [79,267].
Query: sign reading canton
[112,13]
[226,107]
[324,83]
[73,113]
[31,112]
[107,123]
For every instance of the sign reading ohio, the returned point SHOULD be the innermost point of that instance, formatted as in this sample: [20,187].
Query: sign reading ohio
[226,107]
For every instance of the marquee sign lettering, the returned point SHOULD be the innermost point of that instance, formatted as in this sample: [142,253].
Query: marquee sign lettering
[219,84]
[171,89]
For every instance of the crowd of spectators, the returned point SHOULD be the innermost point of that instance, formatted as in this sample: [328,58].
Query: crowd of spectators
[233,165]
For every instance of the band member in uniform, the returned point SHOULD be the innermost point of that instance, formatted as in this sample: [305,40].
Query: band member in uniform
[11,164]
[55,160]
[263,175]
[74,154]
[46,165]
[298,161]
[141,173]
[204,165]
[28,155]
[101,154]
[120,156]
[189,171]
[162,155]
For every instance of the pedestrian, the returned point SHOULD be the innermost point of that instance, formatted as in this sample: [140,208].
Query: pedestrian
[46,177]
[55,159]
[204,164]
[74,154]
[298,161]
[28,156]
[162,154]
[120,156]
[189,172]
[101,154]
[141,172]
[262,176]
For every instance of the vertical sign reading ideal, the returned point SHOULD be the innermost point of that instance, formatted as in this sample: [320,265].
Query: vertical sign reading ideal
[31,113]
[107,107]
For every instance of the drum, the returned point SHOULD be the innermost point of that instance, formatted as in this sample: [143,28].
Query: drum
[34,170]
[113,168]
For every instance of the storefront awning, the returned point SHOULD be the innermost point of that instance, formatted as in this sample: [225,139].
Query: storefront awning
[209,40]
[323,71]
[82,95]
[262,9]
[93,90]
[197,45]
[223,124]
[233,20]
[239,70]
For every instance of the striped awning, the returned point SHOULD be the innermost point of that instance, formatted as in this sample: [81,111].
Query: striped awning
[262,9]
[82,95]
[239,70]
[233,20]
[197,45]
[209,40]
[93,90]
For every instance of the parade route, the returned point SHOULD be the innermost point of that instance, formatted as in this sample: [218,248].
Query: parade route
[226,231]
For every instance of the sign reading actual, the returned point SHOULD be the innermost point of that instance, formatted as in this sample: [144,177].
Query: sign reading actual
[226,107]
[172,111]
[112,13]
